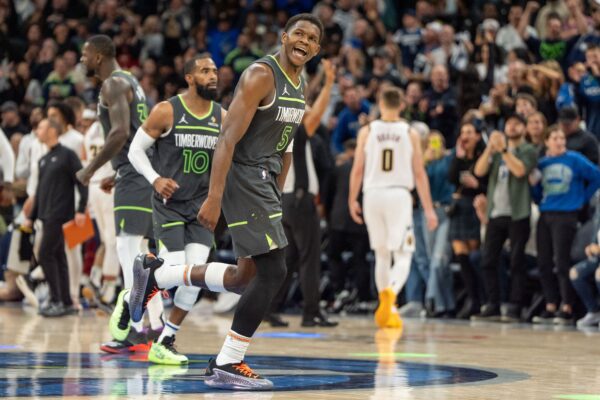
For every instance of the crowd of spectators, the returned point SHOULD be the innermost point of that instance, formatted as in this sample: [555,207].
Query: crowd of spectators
[470,70]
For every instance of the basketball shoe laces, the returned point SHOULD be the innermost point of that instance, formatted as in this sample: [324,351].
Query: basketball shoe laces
[245,370]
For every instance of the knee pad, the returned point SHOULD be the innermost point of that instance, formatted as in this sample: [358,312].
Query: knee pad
[185,297]
[196,253]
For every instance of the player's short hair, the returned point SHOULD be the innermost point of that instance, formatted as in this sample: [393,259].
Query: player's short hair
[104,45]
[64,109]
[52,124]
[190,64]
[392,97]
[305,17]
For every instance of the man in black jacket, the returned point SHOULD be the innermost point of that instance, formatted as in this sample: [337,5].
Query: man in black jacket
[578,139]
[54,205]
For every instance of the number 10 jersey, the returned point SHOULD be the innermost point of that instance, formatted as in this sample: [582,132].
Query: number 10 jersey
[185,152]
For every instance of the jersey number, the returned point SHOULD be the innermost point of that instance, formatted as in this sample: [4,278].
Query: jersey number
[387,160]
[195,162]
[285,138]
[142,110]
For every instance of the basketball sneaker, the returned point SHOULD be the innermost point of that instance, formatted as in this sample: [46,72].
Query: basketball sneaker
[387,299]
[161,373]
[133,342]
[394,321]
[234,377]
[144,284]
[119,319]
[165,353]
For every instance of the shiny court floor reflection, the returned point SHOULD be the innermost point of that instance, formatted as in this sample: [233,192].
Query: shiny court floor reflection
[429,360]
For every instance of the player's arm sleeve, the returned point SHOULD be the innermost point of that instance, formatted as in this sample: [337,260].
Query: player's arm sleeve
[138,157]
[7,158]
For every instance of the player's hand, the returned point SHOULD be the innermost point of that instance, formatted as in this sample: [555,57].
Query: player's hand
[356,212]
[209,213]
[330,70]
[165,187]
[83,176]
[431,219]
[107,184]
[80,219]
[27,225]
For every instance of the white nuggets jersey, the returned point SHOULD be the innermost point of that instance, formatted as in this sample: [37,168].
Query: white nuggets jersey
[93,142]
[388,156]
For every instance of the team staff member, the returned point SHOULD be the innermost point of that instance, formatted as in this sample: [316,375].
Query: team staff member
[54,205]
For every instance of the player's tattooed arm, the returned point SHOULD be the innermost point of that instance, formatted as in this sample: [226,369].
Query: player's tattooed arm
[255,88]
[115,92]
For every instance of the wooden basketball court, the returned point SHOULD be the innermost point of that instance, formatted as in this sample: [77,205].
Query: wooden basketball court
[52,358]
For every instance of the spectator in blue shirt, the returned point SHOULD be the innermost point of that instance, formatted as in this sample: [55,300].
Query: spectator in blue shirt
[409,38]
[565,182]
[348,119]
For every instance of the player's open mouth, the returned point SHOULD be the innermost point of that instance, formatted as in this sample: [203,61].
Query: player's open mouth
[300,52]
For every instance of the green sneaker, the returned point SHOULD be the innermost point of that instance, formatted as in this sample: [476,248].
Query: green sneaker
[119,319]
[165,353]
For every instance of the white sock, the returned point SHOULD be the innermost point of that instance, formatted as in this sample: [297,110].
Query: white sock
[400,270]
[155,312]
[234,349]
[383,263]
[138,326]
[169,276]
[128,247]
[170,329]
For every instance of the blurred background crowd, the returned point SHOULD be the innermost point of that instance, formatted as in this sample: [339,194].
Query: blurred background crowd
[467,68]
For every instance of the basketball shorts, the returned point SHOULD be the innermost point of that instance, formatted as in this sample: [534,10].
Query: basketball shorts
[388,215]
[252,208]
[175,224]
[133,208]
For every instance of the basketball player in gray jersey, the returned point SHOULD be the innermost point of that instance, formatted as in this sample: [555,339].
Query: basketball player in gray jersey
[183,132]
[121,111]
[249,167]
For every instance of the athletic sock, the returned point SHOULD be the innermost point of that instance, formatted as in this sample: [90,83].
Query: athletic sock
[169,276]
[400,270]
[234,349]
[138,326]
[170,329]
[155,312]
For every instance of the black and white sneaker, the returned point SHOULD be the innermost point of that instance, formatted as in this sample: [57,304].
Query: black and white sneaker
[545,318]
[234,377]
[144,284]
[563,318]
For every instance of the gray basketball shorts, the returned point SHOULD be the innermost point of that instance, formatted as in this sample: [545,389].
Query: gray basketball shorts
[175,224]
[252,208]
[133,209]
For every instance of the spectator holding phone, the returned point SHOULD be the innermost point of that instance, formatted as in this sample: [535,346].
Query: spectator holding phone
[464,224]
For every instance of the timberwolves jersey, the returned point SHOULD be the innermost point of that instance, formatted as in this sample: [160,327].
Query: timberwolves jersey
[388,156]
[274,125]
[138,111]
[184,153]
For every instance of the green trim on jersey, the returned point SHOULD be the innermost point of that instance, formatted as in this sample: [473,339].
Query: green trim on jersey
[292,99]
[279,214]
[201,128]
[210,109]
[133,208]
[286,75]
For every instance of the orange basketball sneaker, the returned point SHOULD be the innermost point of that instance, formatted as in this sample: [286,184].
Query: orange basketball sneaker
[387,299]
